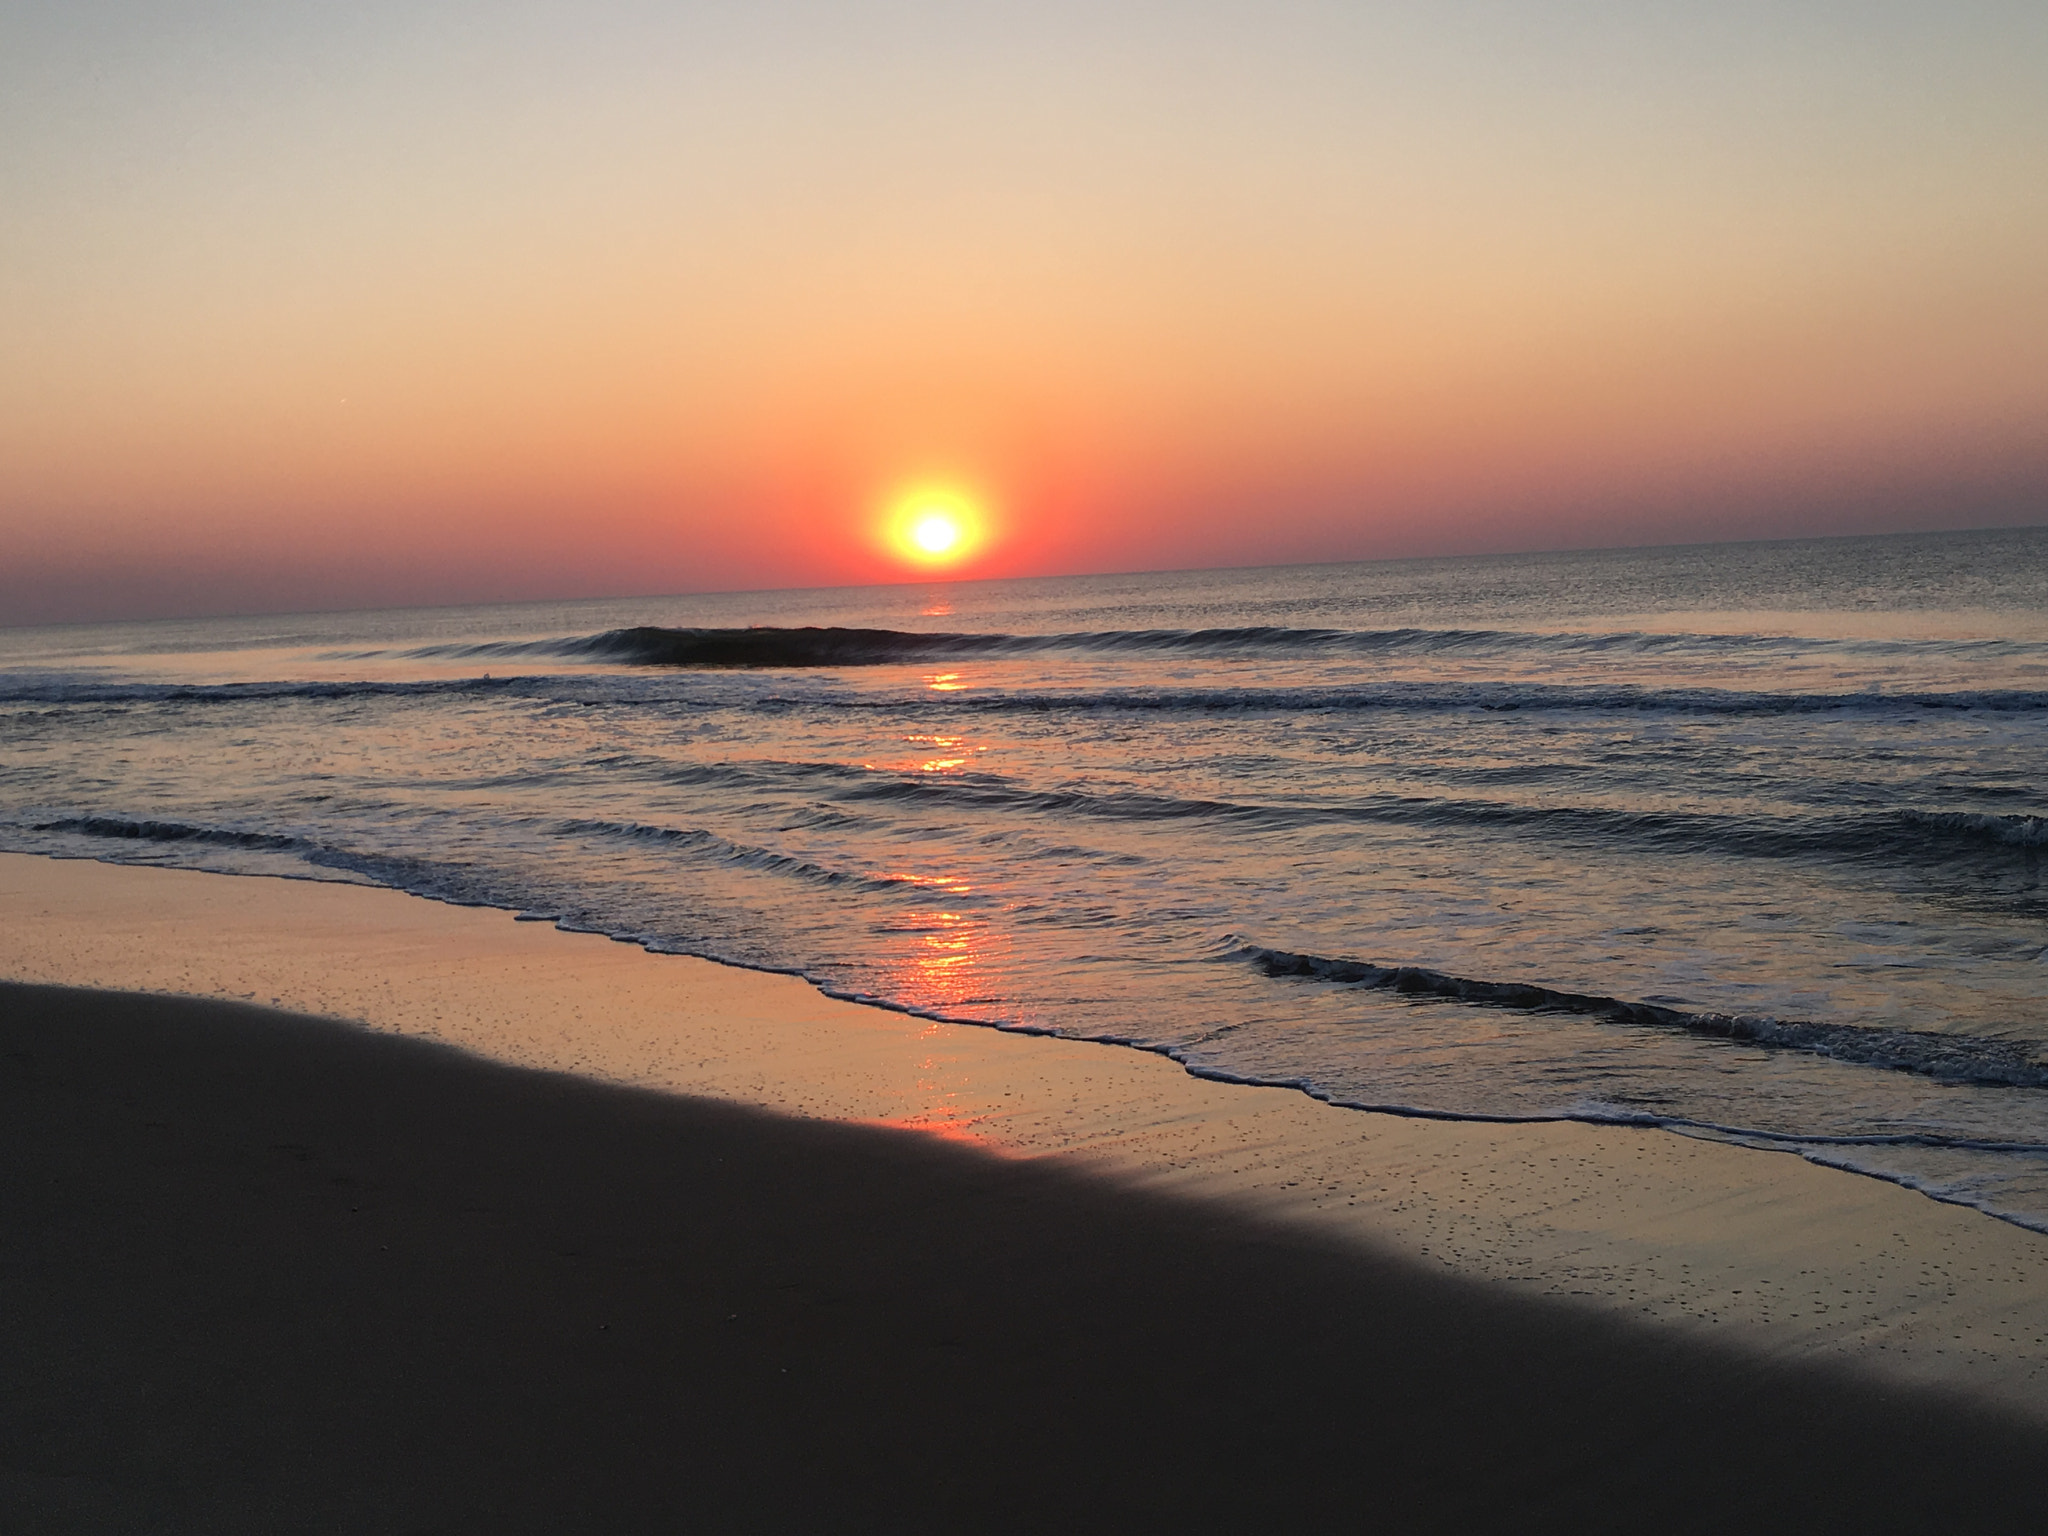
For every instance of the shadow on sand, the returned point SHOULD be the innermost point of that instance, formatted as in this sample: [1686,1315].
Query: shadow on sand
[269,1274]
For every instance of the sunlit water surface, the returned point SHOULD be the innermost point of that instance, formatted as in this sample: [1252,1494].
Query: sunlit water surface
[1741,840]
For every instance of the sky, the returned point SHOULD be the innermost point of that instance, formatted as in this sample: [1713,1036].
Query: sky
[314,306]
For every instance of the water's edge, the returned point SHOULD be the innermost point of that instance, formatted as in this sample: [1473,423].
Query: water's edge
[1812,1149]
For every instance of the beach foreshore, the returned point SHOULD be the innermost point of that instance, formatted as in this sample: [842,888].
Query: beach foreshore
[660,1231]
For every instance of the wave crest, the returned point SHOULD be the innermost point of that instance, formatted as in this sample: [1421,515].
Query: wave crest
[150,831]
[834,646]
[1949,1058]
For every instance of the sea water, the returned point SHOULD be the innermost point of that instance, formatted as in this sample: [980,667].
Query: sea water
[1744,841]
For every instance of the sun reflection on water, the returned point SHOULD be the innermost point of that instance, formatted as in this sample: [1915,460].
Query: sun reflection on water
[945,961]
[940,960]
[942,754]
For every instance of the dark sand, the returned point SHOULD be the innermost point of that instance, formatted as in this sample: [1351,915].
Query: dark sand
[270,1274]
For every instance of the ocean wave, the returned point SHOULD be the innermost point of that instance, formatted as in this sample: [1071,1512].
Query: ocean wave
[1884,836]
[692,840]
[705,690]
[1948,1058]
[726,851]
[1437,697]
[1984,828]
[1899,837]
[35,689]
[835,646]
[151,831]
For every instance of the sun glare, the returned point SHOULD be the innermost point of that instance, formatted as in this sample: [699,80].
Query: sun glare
[934,525]
[935,533]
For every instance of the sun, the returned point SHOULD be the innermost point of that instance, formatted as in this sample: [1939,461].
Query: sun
[935,533]
[934,525]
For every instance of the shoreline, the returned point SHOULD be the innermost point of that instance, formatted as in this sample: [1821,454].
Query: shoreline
[1788,1260]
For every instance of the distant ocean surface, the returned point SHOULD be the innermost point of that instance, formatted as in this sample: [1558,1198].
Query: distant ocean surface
[1744,840]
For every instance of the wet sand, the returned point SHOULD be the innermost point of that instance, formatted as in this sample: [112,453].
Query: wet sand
[1032,1280]
[267,1273]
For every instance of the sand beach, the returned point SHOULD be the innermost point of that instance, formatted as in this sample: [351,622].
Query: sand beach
[338,1209]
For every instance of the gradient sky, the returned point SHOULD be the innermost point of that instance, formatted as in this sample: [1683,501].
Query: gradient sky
[309,305]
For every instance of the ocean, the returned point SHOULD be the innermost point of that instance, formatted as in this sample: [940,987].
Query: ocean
[1741,841]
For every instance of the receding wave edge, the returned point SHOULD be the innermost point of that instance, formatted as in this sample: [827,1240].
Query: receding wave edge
[1949,1058]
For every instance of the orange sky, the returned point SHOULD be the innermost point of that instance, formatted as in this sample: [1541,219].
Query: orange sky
[448,302]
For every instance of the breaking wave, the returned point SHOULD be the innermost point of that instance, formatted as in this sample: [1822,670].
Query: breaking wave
[1900,837]
[835,646]
[687,688]
[147,831]
[1949,1058]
